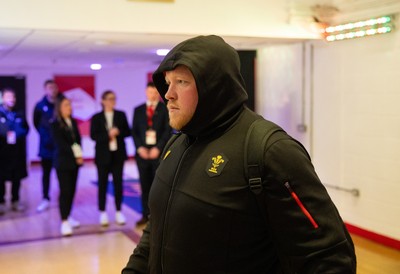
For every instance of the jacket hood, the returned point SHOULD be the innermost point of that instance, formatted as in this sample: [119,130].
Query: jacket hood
[215,66]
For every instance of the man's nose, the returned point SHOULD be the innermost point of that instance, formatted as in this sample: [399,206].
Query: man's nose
[170,93]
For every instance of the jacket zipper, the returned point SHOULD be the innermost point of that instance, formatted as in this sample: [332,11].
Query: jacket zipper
[168,206]
[301,205]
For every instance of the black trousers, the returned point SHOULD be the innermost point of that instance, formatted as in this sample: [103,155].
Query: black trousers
[147,171]
[15,185]
[47,165]
[116,168]
[67,181]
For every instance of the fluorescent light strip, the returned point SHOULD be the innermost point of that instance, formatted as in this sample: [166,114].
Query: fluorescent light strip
[358,29]
[360,24]
[355,34]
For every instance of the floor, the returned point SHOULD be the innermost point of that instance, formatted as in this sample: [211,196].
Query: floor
[30,242]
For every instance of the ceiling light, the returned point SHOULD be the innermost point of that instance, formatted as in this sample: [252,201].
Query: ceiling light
[363,28]
[102,42]
[95,66]
[162,52]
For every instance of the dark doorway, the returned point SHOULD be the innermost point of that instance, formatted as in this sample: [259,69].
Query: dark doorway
[247,69]
[17,83]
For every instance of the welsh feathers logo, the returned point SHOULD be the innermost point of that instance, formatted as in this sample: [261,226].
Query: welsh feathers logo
[216,164]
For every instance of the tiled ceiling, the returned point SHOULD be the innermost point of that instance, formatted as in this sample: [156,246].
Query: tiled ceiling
[69,49]
[41,48]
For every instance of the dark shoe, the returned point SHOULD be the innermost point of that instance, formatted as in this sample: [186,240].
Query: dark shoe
[17,206]
[142,221]
[3,209]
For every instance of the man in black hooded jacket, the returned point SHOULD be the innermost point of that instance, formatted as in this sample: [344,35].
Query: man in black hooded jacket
[203,217]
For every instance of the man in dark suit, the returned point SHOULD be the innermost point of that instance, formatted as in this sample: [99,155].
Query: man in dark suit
[150,132]
[109,129]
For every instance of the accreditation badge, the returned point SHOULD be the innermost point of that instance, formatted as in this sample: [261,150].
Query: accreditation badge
[151,137]
[77,150]
[11,137]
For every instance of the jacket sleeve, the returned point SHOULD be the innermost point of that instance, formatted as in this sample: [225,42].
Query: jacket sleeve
[138,261]
[136,129]
[97,130]
[61,140]
[309,234]
[21,127]
[3,126]
[78,137]
[124,130]
[36,117]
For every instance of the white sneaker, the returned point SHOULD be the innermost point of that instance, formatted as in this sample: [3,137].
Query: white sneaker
[103,218]
[74,223]
[45,204]
[120,218]
[66,229]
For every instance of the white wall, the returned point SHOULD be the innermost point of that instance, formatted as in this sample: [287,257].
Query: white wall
[281,72]
[353,119]
[368,82]
[181,17]
[129,85]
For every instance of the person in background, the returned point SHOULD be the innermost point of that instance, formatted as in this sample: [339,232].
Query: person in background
[150,131]
[42,115]
[13,132]
[67,160]
[108,129]
[205,218]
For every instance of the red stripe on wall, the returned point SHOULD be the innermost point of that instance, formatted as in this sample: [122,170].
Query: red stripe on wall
[390,242]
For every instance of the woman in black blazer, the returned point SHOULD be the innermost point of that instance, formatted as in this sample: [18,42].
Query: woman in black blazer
[67,160]
[108,129]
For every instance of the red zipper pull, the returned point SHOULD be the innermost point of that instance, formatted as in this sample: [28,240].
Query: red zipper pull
[300,204]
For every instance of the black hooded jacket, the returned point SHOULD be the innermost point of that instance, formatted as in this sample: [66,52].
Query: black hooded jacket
[204,219]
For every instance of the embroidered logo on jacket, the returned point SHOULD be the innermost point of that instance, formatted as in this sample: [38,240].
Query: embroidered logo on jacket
[166,154]
[216,164]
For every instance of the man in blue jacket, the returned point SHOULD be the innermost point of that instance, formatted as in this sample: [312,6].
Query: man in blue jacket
[42,115]
[204,218]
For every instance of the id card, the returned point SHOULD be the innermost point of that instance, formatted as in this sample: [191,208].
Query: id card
[11,137]
[77,150]
[151,137]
